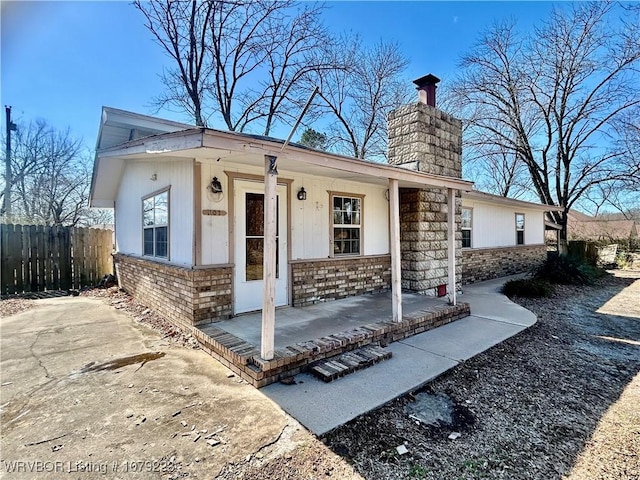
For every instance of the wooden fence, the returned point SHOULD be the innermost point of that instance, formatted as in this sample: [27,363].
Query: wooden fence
[36,258]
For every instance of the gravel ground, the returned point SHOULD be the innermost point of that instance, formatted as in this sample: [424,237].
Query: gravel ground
[11,306]
[559,400]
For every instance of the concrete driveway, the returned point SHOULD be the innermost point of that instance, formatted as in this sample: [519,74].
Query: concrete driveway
[86,390]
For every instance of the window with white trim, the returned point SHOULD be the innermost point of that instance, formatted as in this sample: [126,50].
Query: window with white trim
[155,225]
[466,227]
[519,228]
[346,224]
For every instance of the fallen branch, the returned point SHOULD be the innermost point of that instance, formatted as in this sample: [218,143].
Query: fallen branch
[45,441]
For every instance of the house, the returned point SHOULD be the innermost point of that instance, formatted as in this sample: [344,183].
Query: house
[500,236]
[211,224]
[584,227]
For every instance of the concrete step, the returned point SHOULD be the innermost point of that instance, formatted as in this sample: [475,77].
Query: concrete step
[331,368]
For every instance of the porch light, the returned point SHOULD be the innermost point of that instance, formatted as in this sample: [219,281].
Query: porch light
[216,186]
[302,195]
[215,189]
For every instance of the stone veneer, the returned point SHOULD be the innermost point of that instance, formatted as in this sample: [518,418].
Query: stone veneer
[187,296]
[423,138]
[324,279]
[479,264]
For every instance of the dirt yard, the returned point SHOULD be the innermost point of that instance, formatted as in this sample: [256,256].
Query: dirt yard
[558,401]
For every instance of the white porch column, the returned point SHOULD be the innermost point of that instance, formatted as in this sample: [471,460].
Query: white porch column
[394,245]
[451,244]
[267,344]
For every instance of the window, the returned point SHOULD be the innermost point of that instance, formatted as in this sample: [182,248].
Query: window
[155,225]
[254,240]
[346,225]
[519,228]
[466,227]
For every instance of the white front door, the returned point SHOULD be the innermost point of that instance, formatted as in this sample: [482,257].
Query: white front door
[249,247]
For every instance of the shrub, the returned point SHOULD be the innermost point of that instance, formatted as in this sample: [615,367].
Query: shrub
[528,287]
[624,260]
[567,270]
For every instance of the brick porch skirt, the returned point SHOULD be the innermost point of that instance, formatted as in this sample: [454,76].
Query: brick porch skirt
[244,359]
[325,279]
[187,296]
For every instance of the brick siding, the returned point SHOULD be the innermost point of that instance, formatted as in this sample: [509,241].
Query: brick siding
[329,279]
[480,264]
[187,296]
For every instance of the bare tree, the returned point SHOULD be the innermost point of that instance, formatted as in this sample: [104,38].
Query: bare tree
[361,93]
[182,29]
[245,61]
[51,176]
[553,98]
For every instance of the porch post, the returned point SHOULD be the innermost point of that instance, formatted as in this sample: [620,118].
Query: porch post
[269,260]
[451,244]
[394,245]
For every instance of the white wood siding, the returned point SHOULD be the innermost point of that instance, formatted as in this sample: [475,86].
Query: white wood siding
[309,220]
[495,225]
[215,229]
[136,183]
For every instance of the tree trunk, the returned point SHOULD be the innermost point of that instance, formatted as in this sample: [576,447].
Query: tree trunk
[563,247]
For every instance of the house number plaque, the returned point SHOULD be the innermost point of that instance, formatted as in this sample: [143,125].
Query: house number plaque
[217,213]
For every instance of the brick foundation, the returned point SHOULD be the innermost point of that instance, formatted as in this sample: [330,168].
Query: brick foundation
[187,296]
[480,264]
[244,359]
[320,280]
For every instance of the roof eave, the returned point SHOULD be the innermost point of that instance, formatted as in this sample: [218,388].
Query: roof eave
[512,202]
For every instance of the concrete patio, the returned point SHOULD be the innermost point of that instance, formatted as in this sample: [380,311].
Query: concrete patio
[416,360]
[307,334]
[296,325]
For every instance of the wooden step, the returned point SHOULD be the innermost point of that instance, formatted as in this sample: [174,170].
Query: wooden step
[331,368]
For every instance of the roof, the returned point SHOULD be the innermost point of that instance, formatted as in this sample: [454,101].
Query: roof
[585,227]
[506,201]
[120,126]
[597,229]
[576,215]
[180,141]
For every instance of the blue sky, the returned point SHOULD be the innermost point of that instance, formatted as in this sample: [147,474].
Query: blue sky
[62,61]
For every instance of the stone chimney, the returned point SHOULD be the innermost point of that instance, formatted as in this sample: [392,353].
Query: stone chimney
[423,138]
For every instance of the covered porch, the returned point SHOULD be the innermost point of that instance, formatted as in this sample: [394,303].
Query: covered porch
[304,335]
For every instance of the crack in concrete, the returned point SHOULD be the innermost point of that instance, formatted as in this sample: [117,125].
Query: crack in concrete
[235,469]
[46,371]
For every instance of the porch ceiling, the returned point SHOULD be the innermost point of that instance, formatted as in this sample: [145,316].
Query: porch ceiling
[207,145]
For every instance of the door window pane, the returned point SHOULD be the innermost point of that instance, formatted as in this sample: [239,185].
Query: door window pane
[255,259]
[254,241]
